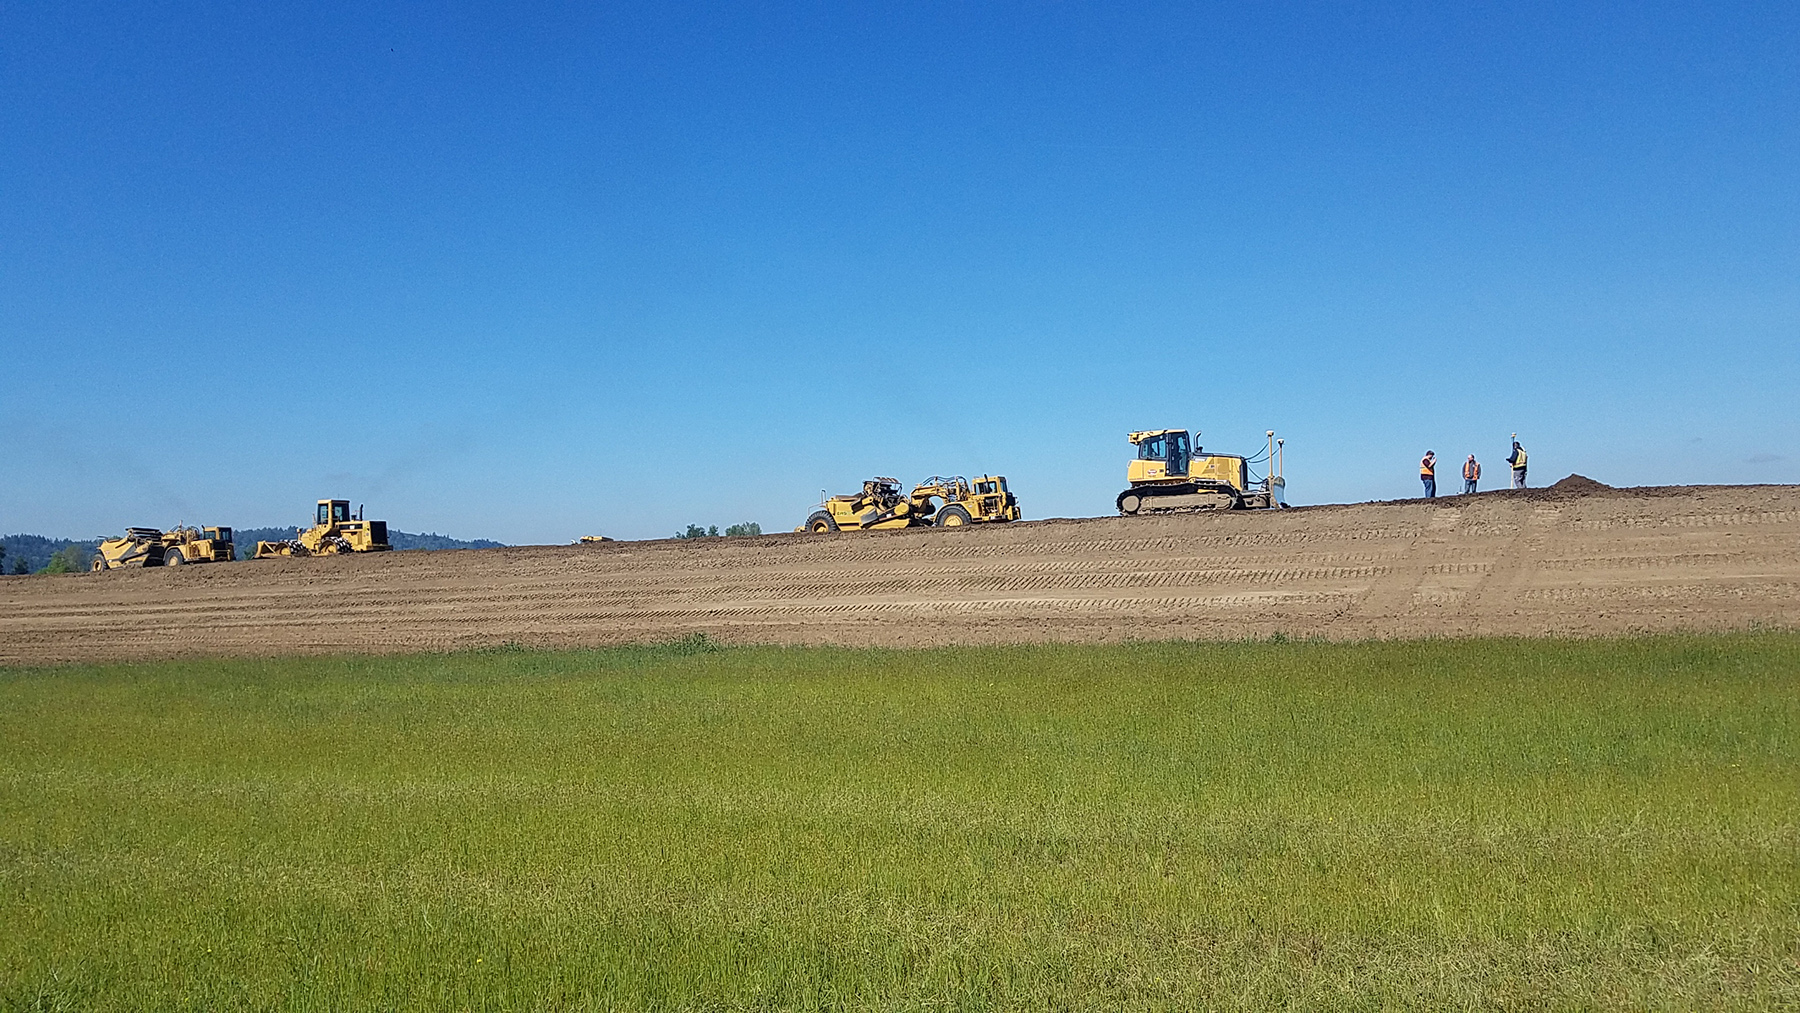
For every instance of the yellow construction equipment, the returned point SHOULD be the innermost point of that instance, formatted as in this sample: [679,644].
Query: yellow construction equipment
[982,501]
[139,547]
[335,531]
[1170,475]
[879,506]
[197,545]
[945,502]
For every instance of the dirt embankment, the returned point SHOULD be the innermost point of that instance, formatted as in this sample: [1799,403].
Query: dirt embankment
[1575,558]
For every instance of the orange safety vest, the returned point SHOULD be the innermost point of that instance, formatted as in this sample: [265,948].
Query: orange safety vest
[1472,470]
[1426,467]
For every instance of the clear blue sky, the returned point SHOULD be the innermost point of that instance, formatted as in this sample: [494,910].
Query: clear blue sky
[533,272]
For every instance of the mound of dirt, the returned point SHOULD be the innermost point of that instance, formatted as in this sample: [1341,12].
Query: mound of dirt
[1580,485]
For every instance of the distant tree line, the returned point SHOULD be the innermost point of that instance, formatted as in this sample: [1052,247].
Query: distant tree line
[734,531]
[409,540]
[37,554]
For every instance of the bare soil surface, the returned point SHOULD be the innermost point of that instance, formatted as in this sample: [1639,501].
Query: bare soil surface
[1577,558]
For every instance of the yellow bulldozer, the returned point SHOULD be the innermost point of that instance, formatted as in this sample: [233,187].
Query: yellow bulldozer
[334,531]
[197,545]
[139,547]
[1172,475]
[944,502]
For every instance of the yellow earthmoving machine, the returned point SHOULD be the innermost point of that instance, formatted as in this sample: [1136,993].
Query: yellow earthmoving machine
[1170,475]
[335,531]
[879,506]
[197,545]
[945,502]
[982,501]
[139,547]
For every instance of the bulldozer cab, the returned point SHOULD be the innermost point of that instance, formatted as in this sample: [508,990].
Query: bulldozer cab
[219,534]
[334,511]
[1168,446]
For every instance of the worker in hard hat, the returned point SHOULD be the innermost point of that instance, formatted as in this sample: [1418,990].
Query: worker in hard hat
[1428,473]
[1471,474]
[1517,460]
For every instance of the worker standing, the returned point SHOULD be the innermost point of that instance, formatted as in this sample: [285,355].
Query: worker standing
[1517,460]
[1471,474]
[1428,473]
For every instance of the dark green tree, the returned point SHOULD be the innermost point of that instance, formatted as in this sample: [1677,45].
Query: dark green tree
[746,528]
[69,559]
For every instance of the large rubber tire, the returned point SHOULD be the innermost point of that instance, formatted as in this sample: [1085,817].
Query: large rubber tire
[820,523]
[173,557]
[98,565]
[953,516]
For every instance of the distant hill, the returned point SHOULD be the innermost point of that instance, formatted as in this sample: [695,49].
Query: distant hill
[31,553]
[408,540]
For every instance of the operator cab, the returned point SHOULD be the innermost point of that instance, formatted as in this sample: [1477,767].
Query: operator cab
[334,511]
[1169,447]
[219,534]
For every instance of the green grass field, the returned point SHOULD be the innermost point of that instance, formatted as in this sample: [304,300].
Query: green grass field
[1426,825]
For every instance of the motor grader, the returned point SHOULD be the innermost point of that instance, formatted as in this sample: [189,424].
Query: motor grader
[335,531]
[940,501]
[139,547]
[197,545]
[1170,475]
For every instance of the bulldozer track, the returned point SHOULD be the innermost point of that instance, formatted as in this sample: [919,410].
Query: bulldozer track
[1171,511]
[1531,563]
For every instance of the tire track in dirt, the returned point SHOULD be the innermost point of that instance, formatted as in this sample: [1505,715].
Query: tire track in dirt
[1541,562]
